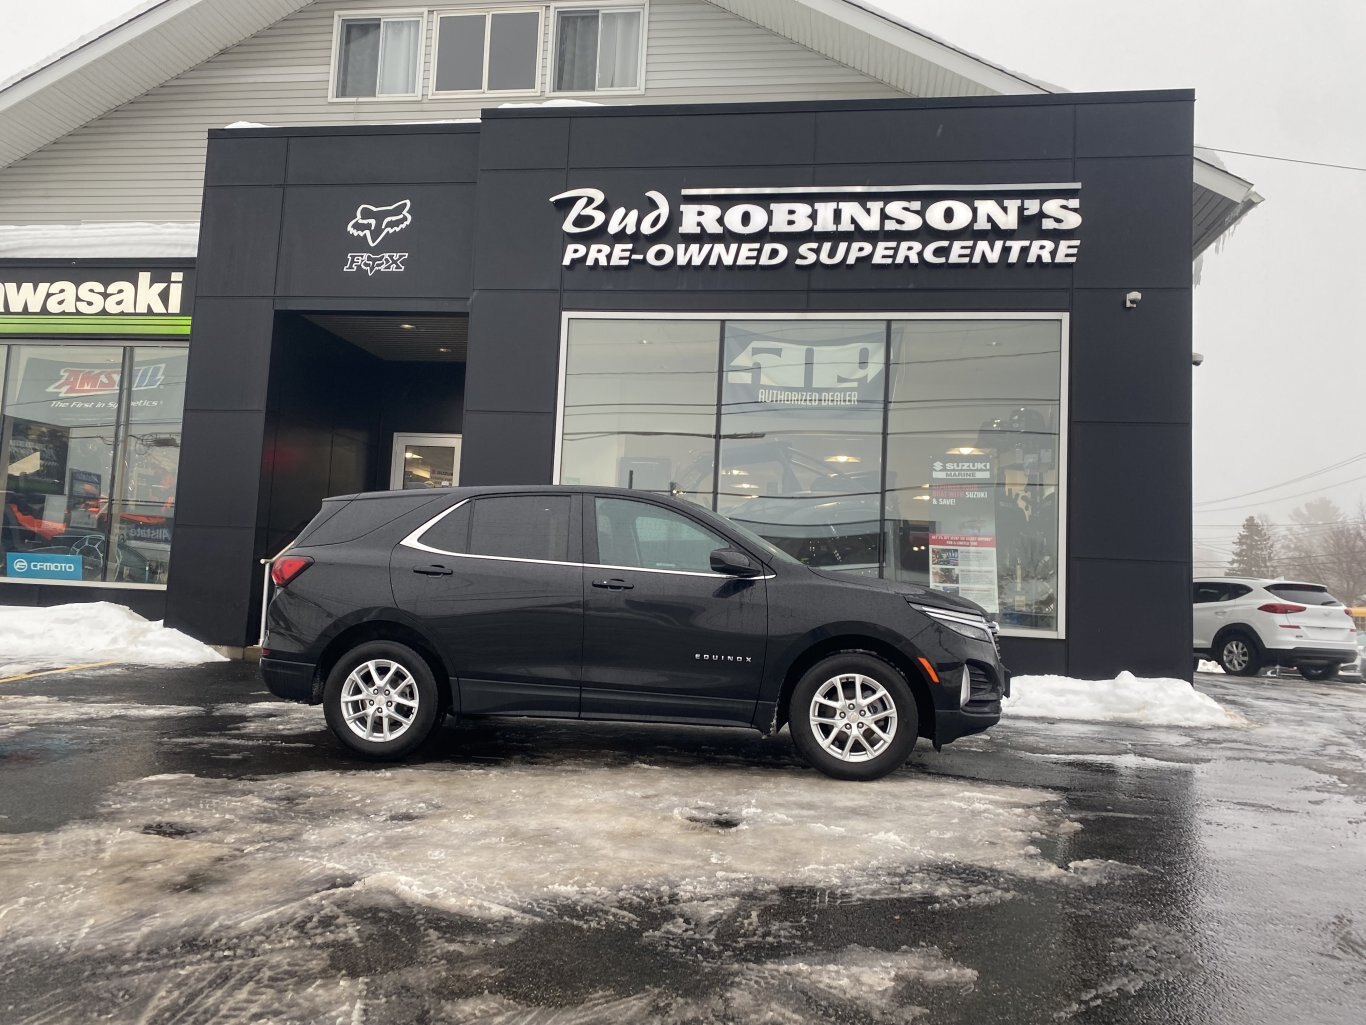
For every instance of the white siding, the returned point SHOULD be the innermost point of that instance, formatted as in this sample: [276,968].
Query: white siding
[144,161]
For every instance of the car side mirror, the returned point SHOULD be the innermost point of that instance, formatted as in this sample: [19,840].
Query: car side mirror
[734,563]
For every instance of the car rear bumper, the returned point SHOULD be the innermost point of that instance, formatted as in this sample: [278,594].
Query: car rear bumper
[293,681]
[1311,656]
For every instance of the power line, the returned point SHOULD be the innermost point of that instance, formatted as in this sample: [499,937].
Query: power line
[1299,494]
[1287,160]
[1293,480]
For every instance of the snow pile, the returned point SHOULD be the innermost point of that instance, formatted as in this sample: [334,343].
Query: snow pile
[1150,702]
[96,632]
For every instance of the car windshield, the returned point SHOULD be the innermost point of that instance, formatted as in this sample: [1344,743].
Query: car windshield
[1304,594]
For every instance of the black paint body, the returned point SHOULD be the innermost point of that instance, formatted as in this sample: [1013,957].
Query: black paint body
[274,241]
[518,637]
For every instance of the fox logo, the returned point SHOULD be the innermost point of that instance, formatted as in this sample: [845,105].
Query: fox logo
[374,222]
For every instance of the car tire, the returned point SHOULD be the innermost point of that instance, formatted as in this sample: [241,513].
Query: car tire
[1239,655]
[381,700]
[1318,672]
[853,717]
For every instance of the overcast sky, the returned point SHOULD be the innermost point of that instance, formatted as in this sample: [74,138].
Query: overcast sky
[1283,387]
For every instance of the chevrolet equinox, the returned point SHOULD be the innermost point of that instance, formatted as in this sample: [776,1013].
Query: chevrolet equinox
[395,609]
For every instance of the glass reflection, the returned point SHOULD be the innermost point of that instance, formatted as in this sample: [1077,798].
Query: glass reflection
[640,406]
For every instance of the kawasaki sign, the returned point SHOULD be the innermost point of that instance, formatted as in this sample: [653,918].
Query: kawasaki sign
[95,301]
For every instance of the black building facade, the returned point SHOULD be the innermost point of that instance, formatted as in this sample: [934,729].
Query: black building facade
[940,340]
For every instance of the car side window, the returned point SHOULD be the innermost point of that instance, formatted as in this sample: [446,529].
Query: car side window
[451,533]
[1236,591]
[1206,593]
[636,535]
[521,527]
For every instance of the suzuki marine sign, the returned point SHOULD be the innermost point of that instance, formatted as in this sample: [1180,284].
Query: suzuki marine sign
[806,226]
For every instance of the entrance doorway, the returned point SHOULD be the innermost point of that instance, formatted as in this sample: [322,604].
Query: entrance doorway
[425,461]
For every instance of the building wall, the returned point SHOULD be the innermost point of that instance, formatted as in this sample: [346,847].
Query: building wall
[1128,542]
[145,160]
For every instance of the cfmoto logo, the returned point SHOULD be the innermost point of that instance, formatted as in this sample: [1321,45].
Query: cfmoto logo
[20,565]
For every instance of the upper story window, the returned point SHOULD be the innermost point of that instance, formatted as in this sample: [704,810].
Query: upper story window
[496,51]
[378,56]
[598,49]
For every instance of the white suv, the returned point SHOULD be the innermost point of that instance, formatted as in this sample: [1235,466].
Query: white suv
[1245,624]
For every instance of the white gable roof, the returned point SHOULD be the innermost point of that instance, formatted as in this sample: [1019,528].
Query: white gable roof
[161,39]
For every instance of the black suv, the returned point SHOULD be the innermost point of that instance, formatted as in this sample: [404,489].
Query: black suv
[396,608]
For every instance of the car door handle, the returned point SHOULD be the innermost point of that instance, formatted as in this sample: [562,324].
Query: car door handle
[615,584]
[433,571]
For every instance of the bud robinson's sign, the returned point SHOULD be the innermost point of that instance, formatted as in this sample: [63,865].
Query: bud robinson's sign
[805,226]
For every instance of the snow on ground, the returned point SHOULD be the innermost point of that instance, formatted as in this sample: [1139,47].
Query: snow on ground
[509,844]
[20,713]
[1127,699]
[92,632]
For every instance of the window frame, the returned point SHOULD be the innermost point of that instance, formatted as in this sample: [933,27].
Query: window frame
[592,528]
[487,14]
[400,14]
[1061,317]
[555,9]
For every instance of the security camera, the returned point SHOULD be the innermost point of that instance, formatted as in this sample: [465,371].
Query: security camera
[1131,299]
[1197,358]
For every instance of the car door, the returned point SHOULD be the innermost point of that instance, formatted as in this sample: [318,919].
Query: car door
[1206,594]
[665,637]
[498,582]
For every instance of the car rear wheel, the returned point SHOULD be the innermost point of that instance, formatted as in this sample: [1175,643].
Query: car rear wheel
[381,700]
[1239,656]
[853,716]
[1318,672]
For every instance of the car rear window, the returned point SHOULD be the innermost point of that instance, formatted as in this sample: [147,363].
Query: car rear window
[1304,594]
[350,520]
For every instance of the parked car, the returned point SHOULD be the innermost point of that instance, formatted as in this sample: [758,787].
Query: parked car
[1246,624]
[394,609]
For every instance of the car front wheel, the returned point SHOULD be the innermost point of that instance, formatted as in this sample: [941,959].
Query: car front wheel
[1238,656]
[853,716]
[381,700]
[1318,672]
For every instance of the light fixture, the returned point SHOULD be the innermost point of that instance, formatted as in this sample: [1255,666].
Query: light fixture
[966,450]
[747,487]
[645,341]
[843,459]
[920,498]
[411,455]
[734,473]
[408,327]
[443,349]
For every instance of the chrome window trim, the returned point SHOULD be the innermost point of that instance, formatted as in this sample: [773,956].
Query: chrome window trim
[412,541]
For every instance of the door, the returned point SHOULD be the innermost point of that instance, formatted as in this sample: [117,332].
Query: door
[1207,595]
[425,461]
[664,636]
[497,582]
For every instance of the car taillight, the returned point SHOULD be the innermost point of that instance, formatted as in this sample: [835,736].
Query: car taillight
[284,570]
[1277,608]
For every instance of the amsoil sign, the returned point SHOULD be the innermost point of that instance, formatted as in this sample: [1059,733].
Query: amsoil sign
[804,226]
[143,293]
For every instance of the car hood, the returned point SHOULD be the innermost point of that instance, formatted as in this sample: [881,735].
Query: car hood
[917,593]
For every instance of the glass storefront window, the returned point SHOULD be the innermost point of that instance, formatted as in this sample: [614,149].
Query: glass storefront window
[640,406]
[923,450]
[801,437]
[90,440]
[973,463]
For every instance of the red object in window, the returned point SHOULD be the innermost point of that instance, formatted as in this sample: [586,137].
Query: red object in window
[1277,608]
[284,570]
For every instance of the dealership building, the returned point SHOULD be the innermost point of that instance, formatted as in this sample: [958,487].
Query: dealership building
[904,313]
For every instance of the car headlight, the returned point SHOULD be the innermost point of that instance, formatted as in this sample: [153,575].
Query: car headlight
[965,623]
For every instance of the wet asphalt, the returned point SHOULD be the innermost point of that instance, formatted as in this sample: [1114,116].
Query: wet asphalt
[1215,876]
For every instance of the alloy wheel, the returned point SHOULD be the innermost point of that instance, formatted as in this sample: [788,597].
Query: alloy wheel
[853,717]
[379,700]
[1236,655]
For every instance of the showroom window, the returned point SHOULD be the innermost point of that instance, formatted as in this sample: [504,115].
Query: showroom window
[598,49]
[378,56]
[923,449]
[91,444]
[487,51]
